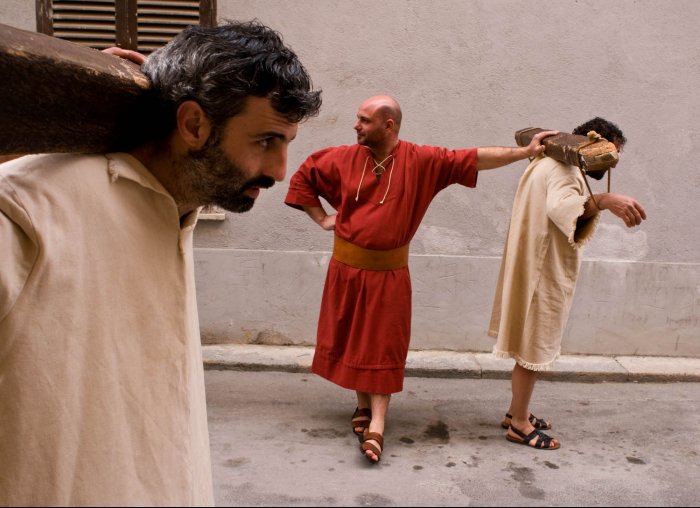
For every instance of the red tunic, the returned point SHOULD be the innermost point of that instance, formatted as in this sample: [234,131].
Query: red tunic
[364,326]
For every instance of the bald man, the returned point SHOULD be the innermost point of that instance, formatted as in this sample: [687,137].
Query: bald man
[381,188]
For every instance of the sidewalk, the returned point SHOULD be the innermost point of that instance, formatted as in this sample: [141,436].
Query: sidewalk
[284,439]
[453,364]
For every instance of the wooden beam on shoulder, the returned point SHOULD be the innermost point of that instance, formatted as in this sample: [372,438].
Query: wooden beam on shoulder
[58,96]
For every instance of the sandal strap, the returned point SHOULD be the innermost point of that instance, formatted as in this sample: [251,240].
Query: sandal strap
[520,433]
[538,423]
[366,445]
[543,440]
[373,436]
[362,414]
[371,447]
[361,419]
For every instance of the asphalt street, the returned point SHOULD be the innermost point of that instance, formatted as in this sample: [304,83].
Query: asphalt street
[284,439]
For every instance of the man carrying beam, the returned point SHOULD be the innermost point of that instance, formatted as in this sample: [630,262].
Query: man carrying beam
[101,378]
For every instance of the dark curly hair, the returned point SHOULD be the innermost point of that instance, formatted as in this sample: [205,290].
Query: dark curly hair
[605,128]
[219,67]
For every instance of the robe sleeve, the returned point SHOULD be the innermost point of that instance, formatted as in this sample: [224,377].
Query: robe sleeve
[447,167]
[18,248]
[566,197]
[317,176]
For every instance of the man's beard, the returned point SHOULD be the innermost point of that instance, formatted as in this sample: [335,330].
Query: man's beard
[371,140]
[211,178]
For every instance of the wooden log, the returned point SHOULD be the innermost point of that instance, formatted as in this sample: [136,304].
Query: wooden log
[57,96]
[590,153]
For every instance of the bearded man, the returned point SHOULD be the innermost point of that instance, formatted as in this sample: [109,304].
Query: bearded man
[102,397]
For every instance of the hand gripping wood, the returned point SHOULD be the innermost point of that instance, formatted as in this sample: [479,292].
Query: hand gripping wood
[589,153]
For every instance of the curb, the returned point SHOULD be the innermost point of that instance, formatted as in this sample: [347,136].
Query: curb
[467,365]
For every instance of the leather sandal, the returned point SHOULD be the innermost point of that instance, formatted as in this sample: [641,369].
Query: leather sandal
[538,423]
[366,445]
[360,420]
[543,441]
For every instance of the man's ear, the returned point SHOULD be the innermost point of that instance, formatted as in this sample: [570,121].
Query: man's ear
[193,125]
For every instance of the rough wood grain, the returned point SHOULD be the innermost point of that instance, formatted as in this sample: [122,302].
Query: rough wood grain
[596,156]
[57,96]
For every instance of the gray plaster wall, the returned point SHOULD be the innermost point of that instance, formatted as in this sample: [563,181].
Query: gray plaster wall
[470,73]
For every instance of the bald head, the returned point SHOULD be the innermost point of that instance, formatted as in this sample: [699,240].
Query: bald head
[377,125]
[386,107]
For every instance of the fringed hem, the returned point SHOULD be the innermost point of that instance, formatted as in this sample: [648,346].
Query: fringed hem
[588,228]
[537,367]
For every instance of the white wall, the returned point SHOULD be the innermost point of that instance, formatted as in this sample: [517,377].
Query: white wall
[470,73]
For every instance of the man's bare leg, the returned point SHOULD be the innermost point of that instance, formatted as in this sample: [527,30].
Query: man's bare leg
[363,402]
[379,402]
[522,385]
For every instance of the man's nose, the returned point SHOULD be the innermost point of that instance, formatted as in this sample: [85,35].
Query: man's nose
[277,168]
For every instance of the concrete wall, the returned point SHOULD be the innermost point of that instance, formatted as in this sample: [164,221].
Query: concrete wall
[470,73]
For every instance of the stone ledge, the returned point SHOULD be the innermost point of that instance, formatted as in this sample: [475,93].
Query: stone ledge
[457,364]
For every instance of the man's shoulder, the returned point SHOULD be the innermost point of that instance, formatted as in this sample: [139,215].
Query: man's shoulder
[31,165]
[338,149]
[333,153]
[548,163]
[547,169]
[29,174]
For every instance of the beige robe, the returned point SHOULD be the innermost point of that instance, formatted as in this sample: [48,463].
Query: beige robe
[101,381]
[540,263]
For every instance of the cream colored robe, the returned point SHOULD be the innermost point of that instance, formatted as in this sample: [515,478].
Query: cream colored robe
[540,263]
[101,380]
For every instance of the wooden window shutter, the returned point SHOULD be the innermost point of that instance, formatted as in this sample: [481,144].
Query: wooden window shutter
[143,25]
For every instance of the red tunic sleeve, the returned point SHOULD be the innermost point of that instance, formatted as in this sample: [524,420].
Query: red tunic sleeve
[447,167]
[319,175]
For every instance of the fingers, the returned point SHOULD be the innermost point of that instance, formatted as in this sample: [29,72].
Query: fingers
[541,135]
[637,214]
[626,208]
[536,147]
[640,210]
[127,54]
[537,138]
[634,217]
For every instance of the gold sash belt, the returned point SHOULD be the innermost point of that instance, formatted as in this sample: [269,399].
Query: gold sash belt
[368,259]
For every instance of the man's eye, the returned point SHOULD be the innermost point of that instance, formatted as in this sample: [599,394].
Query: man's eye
[265,143]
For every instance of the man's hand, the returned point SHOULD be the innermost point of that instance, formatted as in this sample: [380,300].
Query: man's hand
[127,54]
[536,147]
[328,222]
[489,157]
[625,207]
[320,217]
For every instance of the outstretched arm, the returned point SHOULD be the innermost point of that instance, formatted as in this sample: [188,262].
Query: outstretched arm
[625,207]
[491,157]
[320,217]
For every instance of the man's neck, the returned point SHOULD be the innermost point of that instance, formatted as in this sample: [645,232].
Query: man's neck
[382,152]
[159,161]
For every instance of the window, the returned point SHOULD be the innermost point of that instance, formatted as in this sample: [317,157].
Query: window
[142,25]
